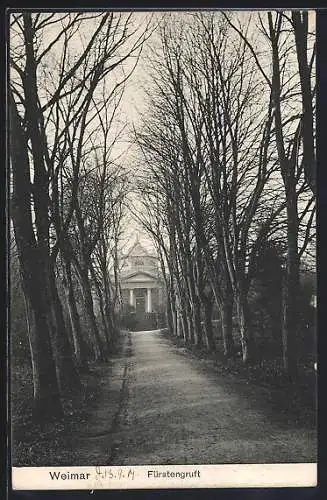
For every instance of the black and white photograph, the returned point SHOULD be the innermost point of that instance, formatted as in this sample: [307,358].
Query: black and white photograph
[162,248]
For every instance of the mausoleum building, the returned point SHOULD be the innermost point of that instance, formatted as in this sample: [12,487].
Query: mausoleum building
[140,282]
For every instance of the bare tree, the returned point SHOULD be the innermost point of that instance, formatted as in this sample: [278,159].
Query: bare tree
[52,88]
[212,156]
[218,132]
[47,402]
[293,132]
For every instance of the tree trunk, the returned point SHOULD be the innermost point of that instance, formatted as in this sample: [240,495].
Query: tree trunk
[208,307]
[68,378]
[46,399]
[46,405]
[300,23]
[184,322]
[182,317]
[196,310]
[177,326]
[109,311]
[112,325]
[169,318]
[247,341]
[97,341]
[170,313]
[176,317]
[80,346]
[178,322]
[189,322]
[45,374]
[226,311]
[106,322]
[288,170]
[224,303]
[106,328]
[98,346]
[46,402]
[291,291]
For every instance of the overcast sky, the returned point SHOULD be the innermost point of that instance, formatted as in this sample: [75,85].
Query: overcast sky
[133,102]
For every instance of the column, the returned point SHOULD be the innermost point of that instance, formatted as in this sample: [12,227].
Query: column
[131,297]
[149,300]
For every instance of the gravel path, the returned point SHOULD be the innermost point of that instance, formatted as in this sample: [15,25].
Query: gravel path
[176,411]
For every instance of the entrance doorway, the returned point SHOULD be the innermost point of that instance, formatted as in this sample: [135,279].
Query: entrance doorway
[140,300]
[140,304]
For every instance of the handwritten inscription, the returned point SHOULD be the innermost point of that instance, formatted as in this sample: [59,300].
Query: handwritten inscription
[103,473]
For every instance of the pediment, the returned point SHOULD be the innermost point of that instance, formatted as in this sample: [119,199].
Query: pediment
[139,276]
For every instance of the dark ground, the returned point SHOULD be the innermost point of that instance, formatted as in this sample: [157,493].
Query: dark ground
[158,403]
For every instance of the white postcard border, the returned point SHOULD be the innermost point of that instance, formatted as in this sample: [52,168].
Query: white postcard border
[165,476]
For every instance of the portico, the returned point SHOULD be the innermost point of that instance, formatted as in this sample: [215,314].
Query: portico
[136,295]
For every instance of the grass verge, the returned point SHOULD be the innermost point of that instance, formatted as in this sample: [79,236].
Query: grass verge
[49,444]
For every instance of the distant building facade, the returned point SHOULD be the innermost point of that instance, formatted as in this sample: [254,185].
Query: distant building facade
[140,282]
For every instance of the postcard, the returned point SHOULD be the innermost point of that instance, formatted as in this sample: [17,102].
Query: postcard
[162,250]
